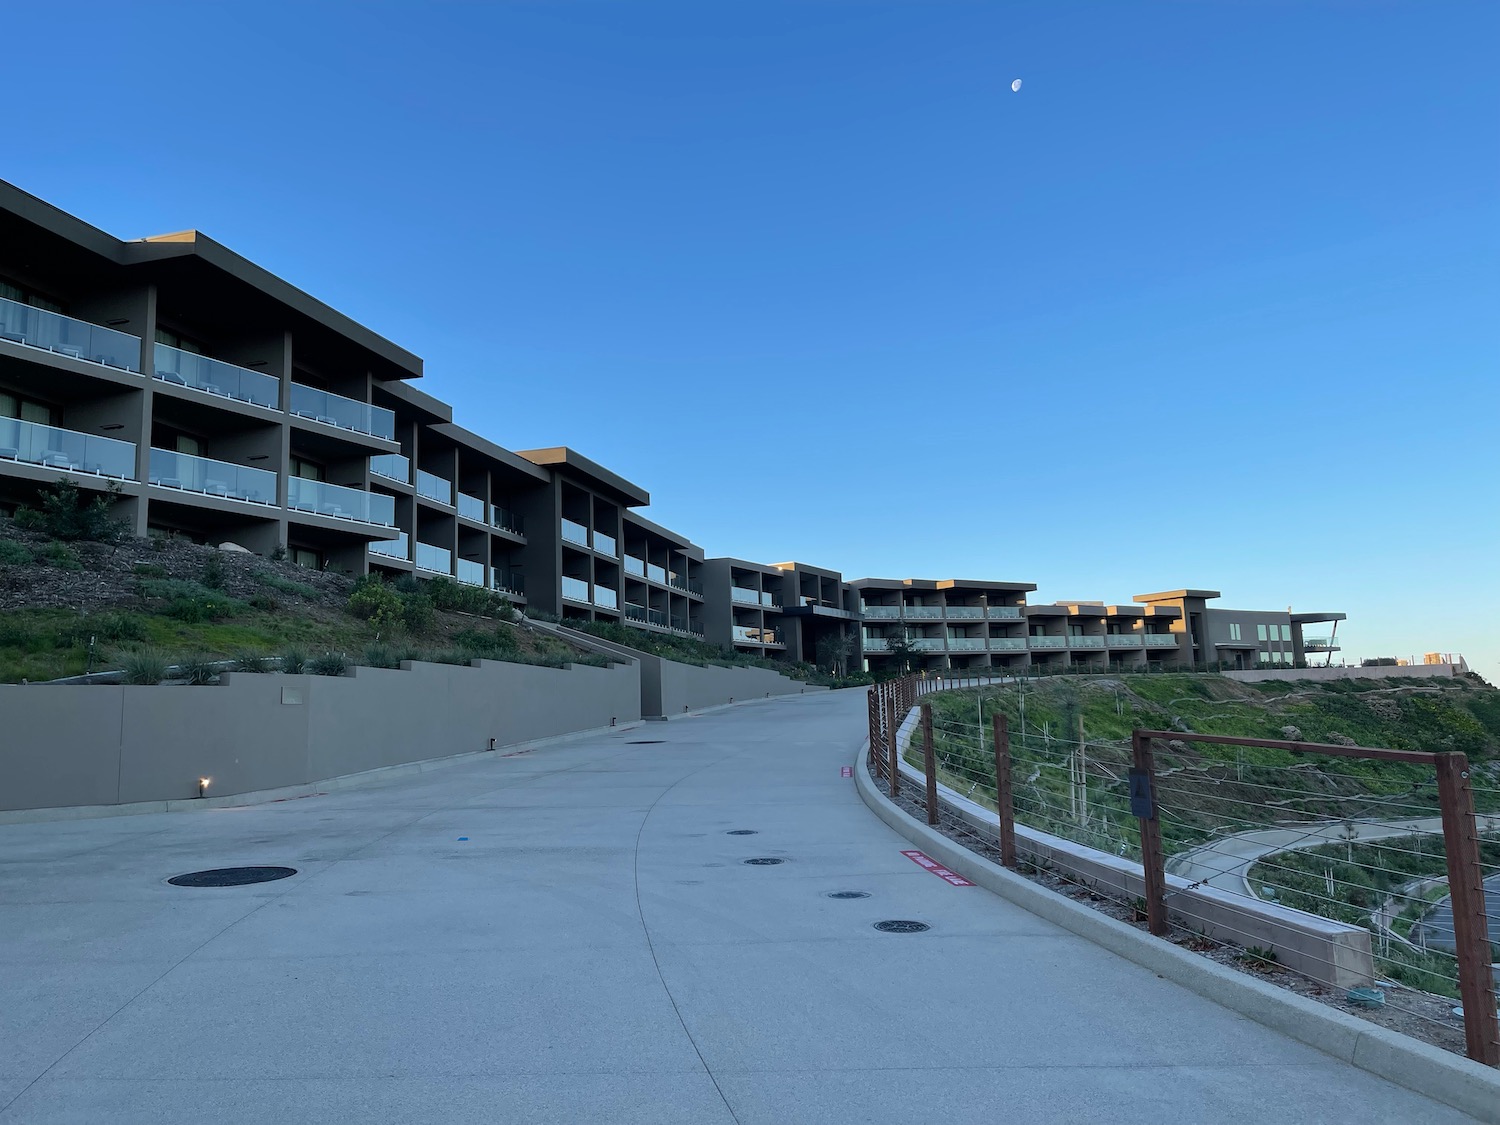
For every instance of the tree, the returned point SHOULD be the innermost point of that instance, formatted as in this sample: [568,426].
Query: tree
[65,514]
[901,645]
[833,651]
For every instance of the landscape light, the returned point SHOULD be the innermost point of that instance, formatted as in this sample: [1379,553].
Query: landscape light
[203,784]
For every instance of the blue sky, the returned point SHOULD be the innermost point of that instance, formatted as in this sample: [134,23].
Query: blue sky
[1210,302]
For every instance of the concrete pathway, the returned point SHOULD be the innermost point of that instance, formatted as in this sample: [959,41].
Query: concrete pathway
[571,935]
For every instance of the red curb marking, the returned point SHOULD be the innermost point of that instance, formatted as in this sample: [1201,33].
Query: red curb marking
[846,771]
[926,861]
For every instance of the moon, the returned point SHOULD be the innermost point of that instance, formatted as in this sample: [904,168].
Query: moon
[1015,86]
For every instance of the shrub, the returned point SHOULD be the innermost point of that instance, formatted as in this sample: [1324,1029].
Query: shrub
[328,664]
[287,586]
[500,643]
[279,554]
[213,572]
[382,656]
[253,662]
[450,595]
[196,668]
[417,614]
[144,666]
[264,602]
[60,555]
[111,627]
[294,661]
[543,615]
[14,554]
[65,514]
[191,602]
[375,602]
[407,584]
[149,570]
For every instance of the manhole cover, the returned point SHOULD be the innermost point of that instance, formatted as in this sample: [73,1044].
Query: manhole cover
[740,832]
[848,894]
[901,926]
[645,742]
[764,861]
[232,876]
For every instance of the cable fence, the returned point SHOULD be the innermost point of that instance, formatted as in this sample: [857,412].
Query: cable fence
[1234,835]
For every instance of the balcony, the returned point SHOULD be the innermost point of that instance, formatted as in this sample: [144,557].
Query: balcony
[1047,642]
[54,448]
[657,617]
[169,469]
[656,573]
[749,634]
[439,560]
[470,573]
[928,644]
[393,548]
[53,332]
[922,612]
[575,589]
[471,507]
[965,644]
[606,544]
[743,596]
[345,413]
[635,566]
[605,598]
[576,533]
[691,586]
[1007,644]
[875,644]
[1123,640]
[635,612]
[215,377]
[965,613]
[391,466]
[506,520]
[343,503]
[1080,641]
[434,487]
[1320,644]
[508,583]
[1004,613]
[882,612]
[1160,640]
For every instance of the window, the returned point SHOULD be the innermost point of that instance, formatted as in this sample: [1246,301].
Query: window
[1260,632]
[1286,632]
[308,470]
[1234,631]
[305,557]
[28,297]
[28,410]
[181,343]
[192,446]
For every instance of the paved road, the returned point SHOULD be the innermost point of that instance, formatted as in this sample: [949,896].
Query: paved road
[595,950]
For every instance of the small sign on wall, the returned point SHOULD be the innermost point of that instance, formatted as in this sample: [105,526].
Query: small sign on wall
[291,696]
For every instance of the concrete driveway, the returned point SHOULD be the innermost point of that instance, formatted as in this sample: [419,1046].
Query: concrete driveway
[571,935]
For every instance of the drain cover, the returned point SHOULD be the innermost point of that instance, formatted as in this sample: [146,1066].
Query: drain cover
[232,876]
[901,926]
[848,894]
[764,861]
[645,742]
[740,832]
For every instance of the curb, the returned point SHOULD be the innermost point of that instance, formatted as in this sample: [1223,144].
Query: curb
[1444,1077]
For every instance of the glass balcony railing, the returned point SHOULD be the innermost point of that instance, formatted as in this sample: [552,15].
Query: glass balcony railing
[635,566]
[965,644]
[922,612]
[1004,613]
[340,502]
[744,596]
[606,598]
[696,587]
[635,612]
[1320,644]
[677,581]
[1123,640]
[1007,644]
[214,376]
[53,332]
[875,644]
[434,487]
[1085,642]
[391,466]
[212,478]
[751,634]
[656,617]
[1047,642]
[575,589]
[606,544]
[656,573]
[439,560]
[882,612]
[345,413]
[965,613]
[509,583]
[506,520]
[770,600]
[398,548]
[1160,640]
[66,449]
[574,532]
[470,573]
[471,507]
[928,644]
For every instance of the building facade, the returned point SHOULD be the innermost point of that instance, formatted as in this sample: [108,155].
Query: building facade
[217,402]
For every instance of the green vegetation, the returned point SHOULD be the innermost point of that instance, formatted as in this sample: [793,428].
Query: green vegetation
[66,515]
[15,554]
[145,666]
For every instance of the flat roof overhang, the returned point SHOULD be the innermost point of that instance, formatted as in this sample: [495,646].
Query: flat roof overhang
[566,461]
[1175,595]
[1313,618]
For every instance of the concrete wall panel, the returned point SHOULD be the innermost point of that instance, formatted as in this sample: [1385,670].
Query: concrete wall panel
[54,751]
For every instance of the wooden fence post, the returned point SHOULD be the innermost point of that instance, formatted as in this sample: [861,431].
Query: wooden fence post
[1004,802]
[892,746]
[929,763]
[1143,805]
[1476,978]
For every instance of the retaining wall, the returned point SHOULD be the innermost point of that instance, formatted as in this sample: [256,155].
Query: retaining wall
[1383,672]
[117,744]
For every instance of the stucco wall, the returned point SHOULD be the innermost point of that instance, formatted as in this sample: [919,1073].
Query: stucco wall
[111,744]
[687,687]
[1390,671]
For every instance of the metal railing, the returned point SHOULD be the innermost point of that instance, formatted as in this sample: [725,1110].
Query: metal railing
[215,377]
[55,448]
[345,413]
[170,469]
[65,335]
